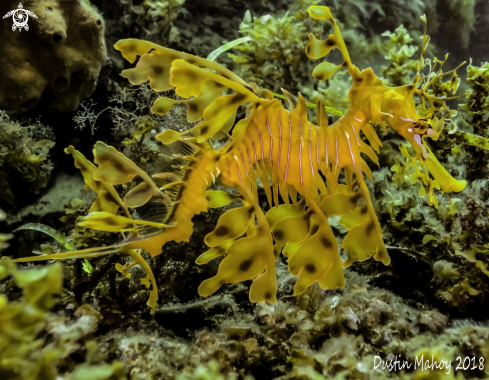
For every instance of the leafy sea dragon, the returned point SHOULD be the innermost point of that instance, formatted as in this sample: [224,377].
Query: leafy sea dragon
[272,147]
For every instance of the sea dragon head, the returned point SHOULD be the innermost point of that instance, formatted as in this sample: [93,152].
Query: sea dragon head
[394,106]
[399,112]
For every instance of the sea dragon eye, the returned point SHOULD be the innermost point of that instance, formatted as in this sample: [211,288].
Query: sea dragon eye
[421,126]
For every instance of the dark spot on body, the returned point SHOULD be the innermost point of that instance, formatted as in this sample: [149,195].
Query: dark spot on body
[314,229]
[326,243]
[117,165]
[109,197]
[308,49]
[204,130]
[169,57]
[191,61]
[278,235]
[355,198]
[238,98]
[410,87]
[193,107]
[359,79]
[319,77]
[191,76]
[345,64]
[268,295]
[157,70]
[245,265]
[251,210]
[363,210]
[221,231]
[329,42]
[311,268]
[370,227]
[139,190]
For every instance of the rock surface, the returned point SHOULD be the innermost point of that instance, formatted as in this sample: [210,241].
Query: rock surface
[58,57]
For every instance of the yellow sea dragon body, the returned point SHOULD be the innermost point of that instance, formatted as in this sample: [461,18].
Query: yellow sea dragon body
[278,148]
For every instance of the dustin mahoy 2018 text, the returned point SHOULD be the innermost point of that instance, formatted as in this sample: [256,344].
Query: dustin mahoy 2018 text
[425,363]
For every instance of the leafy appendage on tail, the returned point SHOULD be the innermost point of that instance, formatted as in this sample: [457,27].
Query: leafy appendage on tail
[103,212]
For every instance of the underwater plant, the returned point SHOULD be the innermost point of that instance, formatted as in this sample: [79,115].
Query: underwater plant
[27,354]
[21,321]
[273,55]
[273,147]
[149,19]
[401,65]
[477,104]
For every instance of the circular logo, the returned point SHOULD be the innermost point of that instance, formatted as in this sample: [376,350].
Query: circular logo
[20,17]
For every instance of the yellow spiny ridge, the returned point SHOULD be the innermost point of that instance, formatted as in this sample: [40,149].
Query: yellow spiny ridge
[272,147]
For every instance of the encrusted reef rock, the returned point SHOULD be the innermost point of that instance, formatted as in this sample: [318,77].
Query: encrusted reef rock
[59,56]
